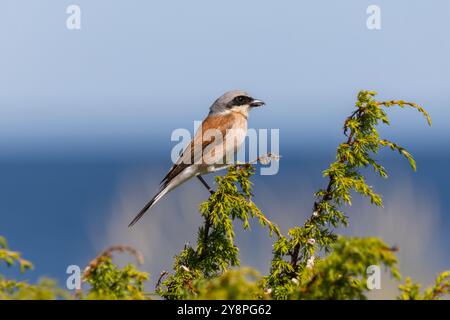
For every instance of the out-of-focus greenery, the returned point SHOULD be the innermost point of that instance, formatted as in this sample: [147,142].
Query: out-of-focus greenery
[234,284]
[310,262]
[45,289]
[343,273]
[108,281]
[441,288]
[12,257]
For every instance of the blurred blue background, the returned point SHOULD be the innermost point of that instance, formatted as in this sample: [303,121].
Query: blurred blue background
[86,117]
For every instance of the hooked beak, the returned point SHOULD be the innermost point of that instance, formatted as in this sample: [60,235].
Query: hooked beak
[257,103]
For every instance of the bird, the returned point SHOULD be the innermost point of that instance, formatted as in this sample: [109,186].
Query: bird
[215,142]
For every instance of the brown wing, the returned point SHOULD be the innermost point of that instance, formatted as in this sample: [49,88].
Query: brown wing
[186,159]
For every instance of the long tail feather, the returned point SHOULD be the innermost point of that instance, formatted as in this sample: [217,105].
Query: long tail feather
[150,204]
[169,183]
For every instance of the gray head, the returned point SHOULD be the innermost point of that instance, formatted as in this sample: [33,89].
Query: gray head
[236,100]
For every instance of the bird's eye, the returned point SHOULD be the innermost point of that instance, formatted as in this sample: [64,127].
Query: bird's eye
[240,100]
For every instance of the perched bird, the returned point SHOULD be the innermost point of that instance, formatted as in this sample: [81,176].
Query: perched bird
[216,141]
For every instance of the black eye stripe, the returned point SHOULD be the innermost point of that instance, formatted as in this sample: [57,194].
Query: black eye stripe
[242,100]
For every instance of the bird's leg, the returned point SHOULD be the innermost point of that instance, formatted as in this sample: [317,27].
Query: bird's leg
[211,191]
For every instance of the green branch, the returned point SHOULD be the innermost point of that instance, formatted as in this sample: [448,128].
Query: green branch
[362,143]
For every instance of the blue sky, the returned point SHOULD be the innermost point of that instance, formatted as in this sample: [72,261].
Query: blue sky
[86,115]
[136,70]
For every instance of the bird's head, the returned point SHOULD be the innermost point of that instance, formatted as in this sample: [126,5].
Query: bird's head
[236,100]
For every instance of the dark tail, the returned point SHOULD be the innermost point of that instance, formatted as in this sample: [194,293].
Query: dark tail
[148,206]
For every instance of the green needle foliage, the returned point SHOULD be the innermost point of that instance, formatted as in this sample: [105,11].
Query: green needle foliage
[310,262]
[216,251]
[109,282]
[411,291]
[239,284]
[343,273]
[46,289]
[12,257]
[294,253]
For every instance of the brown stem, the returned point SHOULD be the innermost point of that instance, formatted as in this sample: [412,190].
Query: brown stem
[207,218]
[161,276]
[328,194]
[207,227]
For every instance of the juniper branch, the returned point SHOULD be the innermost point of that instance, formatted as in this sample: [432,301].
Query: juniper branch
[207,218]
[356,152]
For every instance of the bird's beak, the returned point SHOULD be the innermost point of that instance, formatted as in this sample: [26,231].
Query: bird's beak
[257,103]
